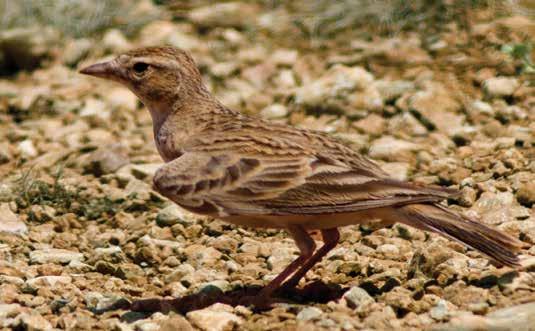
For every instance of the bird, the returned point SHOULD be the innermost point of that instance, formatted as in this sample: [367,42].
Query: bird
[260,174]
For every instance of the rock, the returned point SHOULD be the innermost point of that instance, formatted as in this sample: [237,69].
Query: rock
[54,255]
[481,107]
[75,50]
[42,213]
[95,111]
[274,111]
[309,313]
[339,82]
[170,216]
[389,251]
[106,160]
[121,98]
[397,170]
[442,310]
[115,42]
[438,109]
[372,124]
[500,86]
[174,323]
[27,149]
[25,48]
[218,317]
[521,318]
[228,14]
[10,222]
[358,298]
[200,255]
[48,281]
[526,194]
[391,149]
[391,90]
[33,322]
[284,57]
[9,310]
[99,301]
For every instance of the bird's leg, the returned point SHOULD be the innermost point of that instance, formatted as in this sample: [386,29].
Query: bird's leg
[330,240]
[306,246]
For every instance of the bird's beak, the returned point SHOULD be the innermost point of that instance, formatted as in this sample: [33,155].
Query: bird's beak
[106,70]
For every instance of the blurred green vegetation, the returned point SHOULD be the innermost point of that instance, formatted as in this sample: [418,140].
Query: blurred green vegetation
[78,18]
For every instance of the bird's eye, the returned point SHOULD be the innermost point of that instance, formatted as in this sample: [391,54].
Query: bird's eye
[140,67]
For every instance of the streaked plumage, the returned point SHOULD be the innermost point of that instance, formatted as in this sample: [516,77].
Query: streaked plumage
[251,172]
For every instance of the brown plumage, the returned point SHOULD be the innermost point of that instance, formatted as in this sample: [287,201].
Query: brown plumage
[251,172]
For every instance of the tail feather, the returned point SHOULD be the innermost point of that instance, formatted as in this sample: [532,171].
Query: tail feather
[497,245]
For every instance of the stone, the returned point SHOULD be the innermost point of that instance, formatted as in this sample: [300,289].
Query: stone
[526,194]
[48,281]
[75,50]
[10,222]
[309,313]
[54,255]
[106,160]
[228,14]
[218,317]
[27,149]
[34,322]
[115,42]
[391,149]
[9,310]
[391,90]
[273,111]
[442,310]
[121,98]
[397,170]
[26,47]
[170,216]
[500,86]
[338,82]
[96,111]
[174,323]
[518,318]
[358,298]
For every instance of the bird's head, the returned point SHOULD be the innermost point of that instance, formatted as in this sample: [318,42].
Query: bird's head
[159,76]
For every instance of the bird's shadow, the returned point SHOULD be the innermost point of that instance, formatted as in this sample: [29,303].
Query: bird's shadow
[315,292]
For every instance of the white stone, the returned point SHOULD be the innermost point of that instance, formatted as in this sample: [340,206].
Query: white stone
[54,255]
[500,86]
[10,222]
[27,149]
[275,110]
[49,281]
[309,313]
[217,317]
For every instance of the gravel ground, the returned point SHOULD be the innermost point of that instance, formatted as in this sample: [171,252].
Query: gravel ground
[82,233]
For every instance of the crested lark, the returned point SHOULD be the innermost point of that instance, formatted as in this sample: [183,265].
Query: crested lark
[251,172]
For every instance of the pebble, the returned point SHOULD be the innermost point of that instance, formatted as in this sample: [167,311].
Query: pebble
[27,149]
[34,322]
[218,317]
[391,149]
[48,281]
[10,222]
[170,216]
[274,111]
[357,298]
[309,313]
[54,255]
[500,86]
[526,194]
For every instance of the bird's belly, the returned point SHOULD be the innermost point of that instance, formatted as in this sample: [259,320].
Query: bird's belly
[314,222]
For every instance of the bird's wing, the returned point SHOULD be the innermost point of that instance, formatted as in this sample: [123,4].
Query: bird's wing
[237,176]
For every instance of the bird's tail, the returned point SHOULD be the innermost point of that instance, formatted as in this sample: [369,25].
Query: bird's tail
[500,247]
